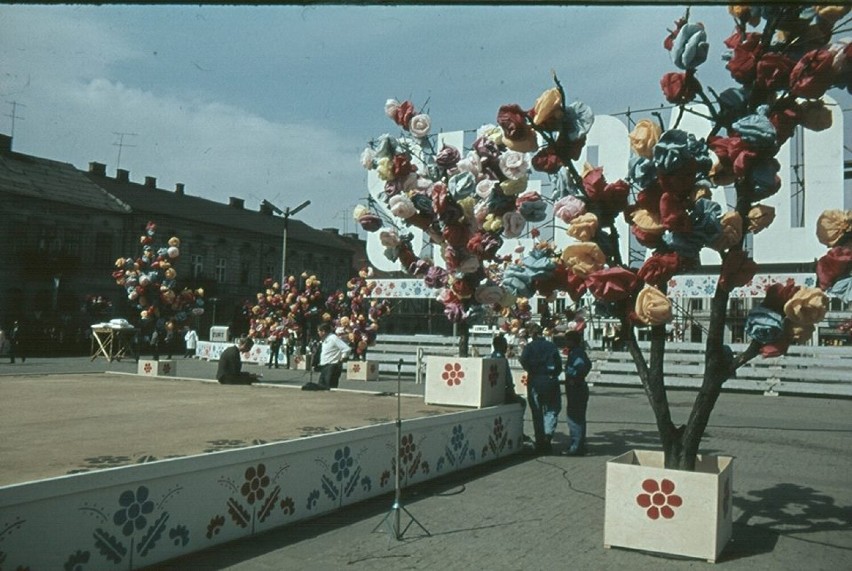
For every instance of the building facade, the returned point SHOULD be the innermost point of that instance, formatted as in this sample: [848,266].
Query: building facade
[62,230]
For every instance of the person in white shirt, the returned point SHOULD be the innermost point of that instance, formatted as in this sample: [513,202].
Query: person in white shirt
[191,340]
[333,352]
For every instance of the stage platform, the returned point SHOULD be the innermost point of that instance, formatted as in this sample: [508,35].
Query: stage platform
[121,469]
[55,425]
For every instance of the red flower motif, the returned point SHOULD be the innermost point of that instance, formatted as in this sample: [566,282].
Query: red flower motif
[659,499]
[148,368]
[356,367]
[453,374]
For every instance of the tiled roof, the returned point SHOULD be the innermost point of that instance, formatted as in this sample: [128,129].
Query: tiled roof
[146,199]
[48,180]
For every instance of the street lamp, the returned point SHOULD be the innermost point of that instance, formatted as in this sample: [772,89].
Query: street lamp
[286,213]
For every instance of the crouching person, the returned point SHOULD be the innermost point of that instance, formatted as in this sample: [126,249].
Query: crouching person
[230,371]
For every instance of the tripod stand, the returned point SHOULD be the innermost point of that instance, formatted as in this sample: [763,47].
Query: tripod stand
[393,519]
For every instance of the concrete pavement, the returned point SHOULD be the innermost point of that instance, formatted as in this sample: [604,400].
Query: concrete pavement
[792,494]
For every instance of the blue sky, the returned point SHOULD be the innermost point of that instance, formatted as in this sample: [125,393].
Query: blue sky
[277,102]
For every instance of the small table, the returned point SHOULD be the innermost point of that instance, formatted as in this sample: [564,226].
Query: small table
[110,343]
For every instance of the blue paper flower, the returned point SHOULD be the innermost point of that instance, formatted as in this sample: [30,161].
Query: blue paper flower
[642,171]
[533,210]
[461,185]
[842,288]
[757,130]
[677,148]
[764,325]
[690,47]
[578,120]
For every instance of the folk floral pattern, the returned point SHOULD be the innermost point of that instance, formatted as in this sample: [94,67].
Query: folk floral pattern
[343,475]
[498,439]
[658,499]
[458,450]
[138,525]
[252,502]
[453,374]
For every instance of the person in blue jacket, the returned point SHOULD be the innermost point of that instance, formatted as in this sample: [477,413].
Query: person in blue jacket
[577,366]
[543,364]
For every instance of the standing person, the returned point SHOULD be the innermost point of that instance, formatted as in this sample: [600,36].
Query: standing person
[333,351]
[191,342]
[543,364]
[608,336]
[275,342]
[577,367]
[499,349]
[17,346]
[230,370]
[155,342]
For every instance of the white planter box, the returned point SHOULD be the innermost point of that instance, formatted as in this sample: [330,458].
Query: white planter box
[653,508]
[151,368]
[362,370]
[300,362]
[464,381]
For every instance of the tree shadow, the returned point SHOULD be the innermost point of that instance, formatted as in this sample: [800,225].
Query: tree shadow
[784,509]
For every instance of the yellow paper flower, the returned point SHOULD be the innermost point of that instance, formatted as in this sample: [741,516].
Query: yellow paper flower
[644,137]
[492,223]
[653,307]
[384,168]
[514,187]
[648,221]
[832,13]
[832,225]
[732,231]
[467,205]
[359,211]
[548,108]
[583,227]
[815,116]
[759,217]
[800,333]
[583,258]
[526,145]
[807,306]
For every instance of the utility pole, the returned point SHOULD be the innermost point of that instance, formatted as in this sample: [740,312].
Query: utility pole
[14,114]
[121,144]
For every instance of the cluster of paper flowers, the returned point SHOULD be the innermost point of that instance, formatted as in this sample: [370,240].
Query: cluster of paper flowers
[150,281]
[789,312]
[468,204]
[284,311]
[355,314]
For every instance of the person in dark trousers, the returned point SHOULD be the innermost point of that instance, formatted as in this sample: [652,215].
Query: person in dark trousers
[230,370]
[543,364]
[17,343]
[577,367]
[275,342]
[332,353]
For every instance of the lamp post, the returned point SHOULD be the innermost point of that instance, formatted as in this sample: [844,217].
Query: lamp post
[286,213]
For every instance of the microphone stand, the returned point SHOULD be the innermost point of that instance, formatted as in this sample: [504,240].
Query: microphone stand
[393,518]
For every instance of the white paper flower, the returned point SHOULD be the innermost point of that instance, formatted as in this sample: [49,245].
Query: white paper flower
[401,206]
[514,165]
[420,125]
[391,105]
[513,224]
[367,158]
[471,163]
[485,187]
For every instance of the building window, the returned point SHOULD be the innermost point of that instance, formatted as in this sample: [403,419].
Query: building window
[221,265]
[696,304]
[197,266]
[103,248]
[244,272]
[269,270]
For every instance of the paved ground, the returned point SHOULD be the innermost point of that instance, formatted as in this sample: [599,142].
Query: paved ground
[792,495]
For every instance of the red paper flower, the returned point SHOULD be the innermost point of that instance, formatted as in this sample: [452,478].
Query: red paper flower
[403,114]
[613,284]
[779,294]
[813,75]
[773,71]
[547,160]
[659,268]
[746,53]
[835,264]
[680,88]
[737,270]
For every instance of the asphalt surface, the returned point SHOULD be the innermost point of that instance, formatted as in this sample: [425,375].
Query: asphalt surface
[792,493]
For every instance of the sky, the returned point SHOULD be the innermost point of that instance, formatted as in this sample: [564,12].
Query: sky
[277,102]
